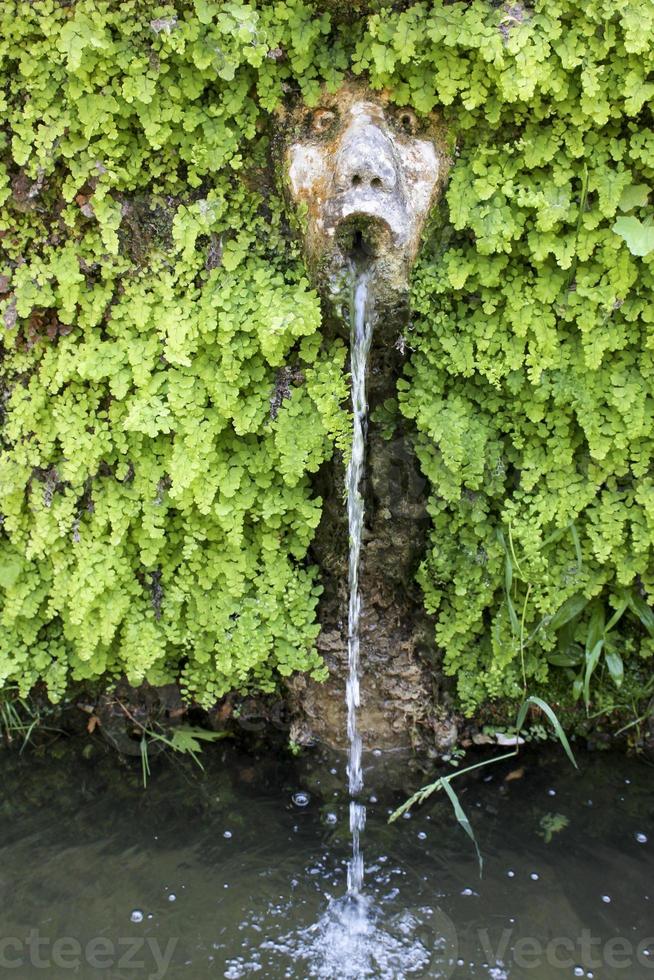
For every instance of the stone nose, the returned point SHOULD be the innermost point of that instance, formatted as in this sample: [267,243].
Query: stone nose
[366,160]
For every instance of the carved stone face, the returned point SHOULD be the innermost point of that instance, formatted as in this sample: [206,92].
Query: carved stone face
[368,173]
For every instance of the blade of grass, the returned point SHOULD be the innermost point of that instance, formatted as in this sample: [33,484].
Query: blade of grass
[145,761]
[554,721]
[463,820]
[577,544]
[522,639]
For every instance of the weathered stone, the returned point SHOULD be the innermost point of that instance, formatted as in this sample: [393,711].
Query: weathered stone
[364,174]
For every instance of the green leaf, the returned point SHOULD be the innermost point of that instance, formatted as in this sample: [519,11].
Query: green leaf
[616,667]
[643,611]
[638,236]
[463,820]
[569,658]
[595,627]
[570,608]
[577,544]
[634,196]
[592,659]
[617,615]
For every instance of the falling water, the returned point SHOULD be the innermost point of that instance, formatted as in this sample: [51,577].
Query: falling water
[355,938]
[361,332]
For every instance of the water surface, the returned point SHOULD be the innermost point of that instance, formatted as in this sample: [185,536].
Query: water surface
[240,871]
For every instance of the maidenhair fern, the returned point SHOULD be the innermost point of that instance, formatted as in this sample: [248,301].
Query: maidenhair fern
[156,511]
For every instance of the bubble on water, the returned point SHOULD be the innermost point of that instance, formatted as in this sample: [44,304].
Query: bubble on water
[467,891]
[301,799]
[227,834]
[510,874]
[534,876]
[551,792]
[136,916]
[641,838]
[407,815]
[331,818]
[422,835]
[377,752]
[606,899]
[172,897]
[579,971]
[373,799]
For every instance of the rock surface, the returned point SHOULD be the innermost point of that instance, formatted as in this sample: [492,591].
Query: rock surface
[403,697]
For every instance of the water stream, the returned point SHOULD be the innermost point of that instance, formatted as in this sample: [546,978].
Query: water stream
[360,333]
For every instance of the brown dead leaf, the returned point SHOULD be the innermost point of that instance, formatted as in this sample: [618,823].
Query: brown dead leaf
[514,774]
[93,723]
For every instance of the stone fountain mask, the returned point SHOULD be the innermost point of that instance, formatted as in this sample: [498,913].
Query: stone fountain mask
[368,173]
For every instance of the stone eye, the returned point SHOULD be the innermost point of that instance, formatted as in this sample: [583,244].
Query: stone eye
[322,120]
[408,121]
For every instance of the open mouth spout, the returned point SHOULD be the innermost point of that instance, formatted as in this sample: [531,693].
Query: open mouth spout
[362,239]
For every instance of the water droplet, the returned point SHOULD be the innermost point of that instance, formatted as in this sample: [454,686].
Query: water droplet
[551,792]
[407,815]
[172,897]
[422,835]
[606,899]
[467,891]
[641,838]
[534,876]
[579,971]
[227,834]
[510,874]
[331,818]
[136,916]
[301,799]
[373,799]
[377,752]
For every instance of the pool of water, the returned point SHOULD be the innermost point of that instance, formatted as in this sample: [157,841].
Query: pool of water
[240,870]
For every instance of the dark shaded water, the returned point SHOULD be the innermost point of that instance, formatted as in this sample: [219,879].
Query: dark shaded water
[240,871]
